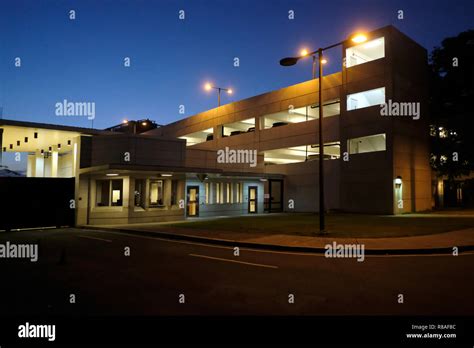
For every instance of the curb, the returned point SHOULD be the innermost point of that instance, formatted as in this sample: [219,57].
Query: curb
[276,247]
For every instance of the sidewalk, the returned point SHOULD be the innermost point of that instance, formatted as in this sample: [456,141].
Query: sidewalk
[426,244]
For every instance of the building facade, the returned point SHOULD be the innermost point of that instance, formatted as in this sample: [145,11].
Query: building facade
[259,154]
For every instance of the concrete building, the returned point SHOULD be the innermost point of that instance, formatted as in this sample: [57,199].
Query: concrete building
[259,154]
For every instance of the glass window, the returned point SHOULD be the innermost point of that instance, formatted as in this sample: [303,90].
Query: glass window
[174,192]
[116,192]
[102,193]
[228,193]
[365,99]
[239,192]
[218,193]
[206,192]
[140,193]
[371,143]
[156,193]
[109,193]
[365,52]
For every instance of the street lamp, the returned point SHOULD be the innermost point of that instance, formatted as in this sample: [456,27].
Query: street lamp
[289,61]
[208,87]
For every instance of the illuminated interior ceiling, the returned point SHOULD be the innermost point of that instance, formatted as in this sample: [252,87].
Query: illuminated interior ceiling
[302,114]
[365,52]
[45,139]
[197,137]
[298,153]
[239,126]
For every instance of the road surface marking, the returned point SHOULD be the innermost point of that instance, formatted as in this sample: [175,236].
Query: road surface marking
[235,261]
[104,240]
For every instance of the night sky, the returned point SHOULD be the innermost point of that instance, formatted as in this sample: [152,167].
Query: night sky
[81,60]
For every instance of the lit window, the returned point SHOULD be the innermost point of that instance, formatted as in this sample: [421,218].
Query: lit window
[206,189]
[366,52]
[371,143]
[218,193]
[109,193]
[365,99]
[228,195]
[239,191]
[156,193]
[221,190]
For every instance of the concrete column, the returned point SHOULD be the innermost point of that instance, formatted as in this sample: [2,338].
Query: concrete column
[54,164]
[31,166]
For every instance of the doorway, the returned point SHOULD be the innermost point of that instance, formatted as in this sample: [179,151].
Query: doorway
[192,201]
[253,194]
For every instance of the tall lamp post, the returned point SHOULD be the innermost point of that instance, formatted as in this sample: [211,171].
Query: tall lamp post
[289,61]
[208,87]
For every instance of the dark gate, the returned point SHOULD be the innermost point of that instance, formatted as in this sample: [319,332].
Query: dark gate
[36,202]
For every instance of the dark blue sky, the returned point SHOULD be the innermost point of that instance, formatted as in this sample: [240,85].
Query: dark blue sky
[82,60]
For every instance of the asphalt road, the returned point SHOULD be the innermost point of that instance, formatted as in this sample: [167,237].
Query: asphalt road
[92,265]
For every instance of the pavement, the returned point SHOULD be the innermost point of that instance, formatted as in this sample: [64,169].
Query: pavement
[440,243]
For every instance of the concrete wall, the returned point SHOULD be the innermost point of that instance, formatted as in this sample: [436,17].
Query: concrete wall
[130,149]
[128,212]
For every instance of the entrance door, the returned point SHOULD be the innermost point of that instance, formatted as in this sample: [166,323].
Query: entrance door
[253,199]
[193,201]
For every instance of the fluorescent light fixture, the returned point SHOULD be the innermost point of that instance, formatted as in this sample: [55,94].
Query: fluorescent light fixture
[111,174]
[166,174]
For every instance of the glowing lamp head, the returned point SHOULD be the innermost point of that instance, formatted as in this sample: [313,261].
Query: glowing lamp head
[125,121]
[304,52]
[324,61]
[359,38]
[398,180]
[207,86]
[144,123]
[229,91]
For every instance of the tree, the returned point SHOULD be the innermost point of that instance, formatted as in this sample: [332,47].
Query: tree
[452,106]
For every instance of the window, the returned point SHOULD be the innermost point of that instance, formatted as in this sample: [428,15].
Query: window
[365,99]
[174,192]
[206,191]
[109,193]
[140,193]
[239,189]
[229,192]
[366,52]
[218,193]
[156,193]
[371,143]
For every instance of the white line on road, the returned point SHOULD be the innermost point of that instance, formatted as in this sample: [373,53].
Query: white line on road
[104,240]
[235,261]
